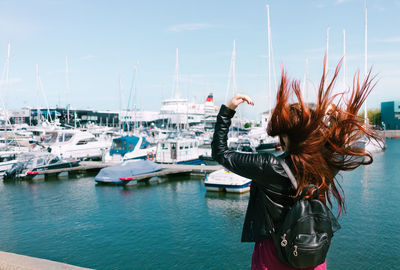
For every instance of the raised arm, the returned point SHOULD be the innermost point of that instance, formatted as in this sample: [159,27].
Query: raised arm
[248,165]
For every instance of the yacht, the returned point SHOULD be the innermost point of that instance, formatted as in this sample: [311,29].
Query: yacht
[76,144]
[7,160]
[31,164]
[131,147]
[181,150]
[122,174]
[227,181]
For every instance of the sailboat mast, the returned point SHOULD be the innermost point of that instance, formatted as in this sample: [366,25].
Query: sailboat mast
[365,59]
[67,85]
[7,72]
[327,52]
[176,86]
[269,62]
[37,94]
[234,69]
[344,58]
[306,81]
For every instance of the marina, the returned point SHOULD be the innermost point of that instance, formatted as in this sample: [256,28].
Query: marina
[96,225]
[107,120]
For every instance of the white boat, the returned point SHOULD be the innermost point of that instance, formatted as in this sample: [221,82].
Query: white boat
[7,160]
[76,144]
[131,147]
[227,181]
[181,151]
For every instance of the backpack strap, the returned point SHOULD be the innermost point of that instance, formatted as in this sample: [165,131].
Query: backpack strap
[288,172]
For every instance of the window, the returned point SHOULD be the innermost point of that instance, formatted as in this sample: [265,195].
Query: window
[145,144]
[82,142]
[131,146]
[68,136]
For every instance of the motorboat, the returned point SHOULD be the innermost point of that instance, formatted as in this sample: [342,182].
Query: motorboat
[7,160]
[131,147]
[181,150]
[76,144]
[31,164]
[122,174]
[226,181]
[262,141]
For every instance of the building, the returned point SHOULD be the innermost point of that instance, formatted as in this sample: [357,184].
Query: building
[390,114]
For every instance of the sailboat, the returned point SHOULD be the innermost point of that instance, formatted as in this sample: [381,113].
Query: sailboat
[264,142]
[370,146]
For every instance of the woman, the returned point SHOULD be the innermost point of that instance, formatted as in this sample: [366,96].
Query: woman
[318,141]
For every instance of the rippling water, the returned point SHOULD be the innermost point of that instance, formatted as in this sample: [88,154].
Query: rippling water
[177,225]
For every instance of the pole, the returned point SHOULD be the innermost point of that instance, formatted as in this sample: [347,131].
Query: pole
[269,63]
[365,59]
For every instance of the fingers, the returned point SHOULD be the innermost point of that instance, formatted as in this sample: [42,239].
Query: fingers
[246,98]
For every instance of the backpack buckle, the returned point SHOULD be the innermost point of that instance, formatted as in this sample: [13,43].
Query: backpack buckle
[284,241]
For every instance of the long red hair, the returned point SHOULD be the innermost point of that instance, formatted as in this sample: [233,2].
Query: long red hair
[325,137]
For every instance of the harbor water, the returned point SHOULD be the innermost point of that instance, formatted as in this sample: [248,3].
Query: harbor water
[176,224]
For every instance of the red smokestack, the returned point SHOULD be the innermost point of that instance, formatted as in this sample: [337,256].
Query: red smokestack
[210,98]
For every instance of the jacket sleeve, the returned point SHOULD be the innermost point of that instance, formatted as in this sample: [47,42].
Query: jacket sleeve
[249,165]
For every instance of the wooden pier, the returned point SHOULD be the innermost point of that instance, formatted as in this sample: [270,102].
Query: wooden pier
[93,166]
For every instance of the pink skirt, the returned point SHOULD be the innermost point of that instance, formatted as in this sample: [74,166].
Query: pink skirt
[265,257]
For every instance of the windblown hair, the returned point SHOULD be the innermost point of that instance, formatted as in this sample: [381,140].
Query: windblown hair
[326,137]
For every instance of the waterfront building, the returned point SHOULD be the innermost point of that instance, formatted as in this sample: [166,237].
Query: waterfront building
[390,113]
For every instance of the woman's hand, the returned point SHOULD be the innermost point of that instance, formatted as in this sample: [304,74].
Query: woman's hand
[238,99]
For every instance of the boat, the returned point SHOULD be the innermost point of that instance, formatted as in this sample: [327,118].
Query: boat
[122,174]
[181,150]
[7,160]
[31,164]
[75,144]
[226,181]
[131,147]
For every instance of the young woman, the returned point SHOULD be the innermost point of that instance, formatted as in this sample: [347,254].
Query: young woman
[318,141]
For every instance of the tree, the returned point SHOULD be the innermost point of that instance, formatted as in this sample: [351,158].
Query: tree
[247,125]
[374,116]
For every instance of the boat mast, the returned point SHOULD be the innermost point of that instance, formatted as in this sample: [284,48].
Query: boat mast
[365,60]
[305,85]
[176,85]
[269,63]
[7,72]
[67,85]
[229,75]
[327,52]
[344,58]
[37,94]
[234,69]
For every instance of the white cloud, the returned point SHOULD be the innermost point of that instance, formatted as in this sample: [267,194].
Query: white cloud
[189,27]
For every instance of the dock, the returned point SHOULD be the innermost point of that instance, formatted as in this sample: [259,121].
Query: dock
[94,166]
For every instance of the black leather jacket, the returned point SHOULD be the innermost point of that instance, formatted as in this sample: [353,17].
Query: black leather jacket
[271,190]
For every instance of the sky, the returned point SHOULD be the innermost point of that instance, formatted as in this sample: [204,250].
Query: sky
[105,40]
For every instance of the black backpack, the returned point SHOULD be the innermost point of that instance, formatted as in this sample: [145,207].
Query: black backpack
[303,239]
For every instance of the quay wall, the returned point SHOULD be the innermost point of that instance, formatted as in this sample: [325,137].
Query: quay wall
[11,261]
[392,134]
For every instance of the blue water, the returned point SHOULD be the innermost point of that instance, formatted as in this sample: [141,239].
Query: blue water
[177,225]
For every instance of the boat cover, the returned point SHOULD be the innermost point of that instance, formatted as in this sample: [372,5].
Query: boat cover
[126,169]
